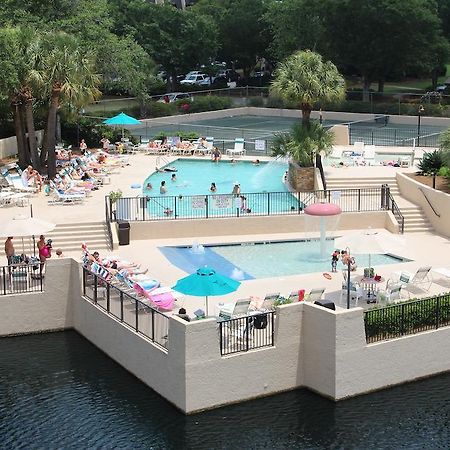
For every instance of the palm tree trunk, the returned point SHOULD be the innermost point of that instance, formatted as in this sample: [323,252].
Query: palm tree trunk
[49,144]
[306,114]
[22,148]
[32,142]
[319,165]
[58,128]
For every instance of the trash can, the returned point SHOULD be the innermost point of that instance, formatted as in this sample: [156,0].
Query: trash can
[124,232]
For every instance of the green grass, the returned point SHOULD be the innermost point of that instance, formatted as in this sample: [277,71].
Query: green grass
[104,106]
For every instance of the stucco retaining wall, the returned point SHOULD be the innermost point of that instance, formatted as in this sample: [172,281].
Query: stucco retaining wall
[42,311]
[418,193]
[253,225]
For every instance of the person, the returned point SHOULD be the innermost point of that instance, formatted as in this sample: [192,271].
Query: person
[347,259]
[232,161]
[173,177]
[44,252]
[105,143]
[216,155]
[163,189]
[256,162]
[37,179]
[334,260]
[149,186]
[320,116]
[202,143]
[9,250]
[243,203]
[83,147]
[166,99]
[26,175]
[59,253]
[183,315]
[236,189]
[213,187]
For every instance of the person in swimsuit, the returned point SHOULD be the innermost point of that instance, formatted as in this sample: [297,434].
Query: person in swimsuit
[44,252]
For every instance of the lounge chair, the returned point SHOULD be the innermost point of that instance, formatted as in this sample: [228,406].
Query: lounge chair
[238,149]
[269,301]
[420,281]
[65,198]
[315,294]
[369,155]
[240,309]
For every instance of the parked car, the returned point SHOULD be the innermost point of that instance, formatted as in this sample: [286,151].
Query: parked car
[174,96]
[200,79]
[443,89]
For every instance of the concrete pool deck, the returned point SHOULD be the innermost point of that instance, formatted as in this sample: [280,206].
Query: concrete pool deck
[422,248]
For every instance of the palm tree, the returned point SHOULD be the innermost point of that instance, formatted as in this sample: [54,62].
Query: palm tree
[302,144]
[306,79]
[67,75]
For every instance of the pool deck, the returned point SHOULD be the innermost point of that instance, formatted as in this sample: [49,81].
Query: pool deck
[423,248]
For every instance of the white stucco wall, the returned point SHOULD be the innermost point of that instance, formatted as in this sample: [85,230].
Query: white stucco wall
[415,192]
[43,311]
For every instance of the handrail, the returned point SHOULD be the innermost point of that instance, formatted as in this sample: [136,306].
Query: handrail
[397,213]
[428,201]
[108,220]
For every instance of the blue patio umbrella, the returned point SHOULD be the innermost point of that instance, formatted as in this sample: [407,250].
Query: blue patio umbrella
[122,119]
[206,282]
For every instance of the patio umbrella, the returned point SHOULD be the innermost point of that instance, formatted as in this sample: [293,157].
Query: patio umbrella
[122,119]
[371,242]
[206,282]
[367,242]
[24,227]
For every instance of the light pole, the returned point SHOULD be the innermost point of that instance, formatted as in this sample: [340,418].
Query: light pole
[419,116]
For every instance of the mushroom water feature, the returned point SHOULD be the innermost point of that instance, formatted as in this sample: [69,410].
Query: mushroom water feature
[324,211]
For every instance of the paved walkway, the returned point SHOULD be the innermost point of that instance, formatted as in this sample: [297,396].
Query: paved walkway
[422,248]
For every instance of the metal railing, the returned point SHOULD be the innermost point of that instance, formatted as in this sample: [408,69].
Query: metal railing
[108,222]
[411,317]
[428,201]
[390,204]
[20,279]
[166,207]
[127,308]
[247,333]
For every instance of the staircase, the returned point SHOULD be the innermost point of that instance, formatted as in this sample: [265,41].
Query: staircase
[415,219]
[355,183]
[69,237]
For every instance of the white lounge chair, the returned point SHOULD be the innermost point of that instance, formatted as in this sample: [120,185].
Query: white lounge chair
[315,294]
[65,198]
[356,292]
[238,149]
[391,293]
[369,155]
[415,283]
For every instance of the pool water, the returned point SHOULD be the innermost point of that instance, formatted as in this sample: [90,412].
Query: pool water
[60,391]
[266,259]
[194,177]
[261,184]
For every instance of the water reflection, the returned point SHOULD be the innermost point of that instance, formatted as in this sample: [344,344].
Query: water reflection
[58,390]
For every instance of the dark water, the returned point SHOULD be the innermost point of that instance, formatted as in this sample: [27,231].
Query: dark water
[59,391]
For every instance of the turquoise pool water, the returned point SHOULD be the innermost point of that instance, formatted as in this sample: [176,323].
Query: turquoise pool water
[262,185]
[266,259]
[194,177]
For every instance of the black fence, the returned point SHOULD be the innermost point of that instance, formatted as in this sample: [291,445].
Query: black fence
[20,279]
[247,333]
[411,317]
[392,136]
[253,204]
[127,308]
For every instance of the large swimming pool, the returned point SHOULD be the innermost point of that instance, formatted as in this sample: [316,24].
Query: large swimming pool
[194,177]
[265,259]
[188,193]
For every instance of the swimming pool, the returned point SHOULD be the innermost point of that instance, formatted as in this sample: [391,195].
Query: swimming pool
[265,259]
[188,193]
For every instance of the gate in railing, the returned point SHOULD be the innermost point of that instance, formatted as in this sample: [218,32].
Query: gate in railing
[247,333]
[127,308]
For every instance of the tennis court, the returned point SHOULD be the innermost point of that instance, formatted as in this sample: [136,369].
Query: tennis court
[378,131]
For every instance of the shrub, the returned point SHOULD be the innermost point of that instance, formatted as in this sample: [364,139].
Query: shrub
[256,101]
[275,102]
[160,109]
[184,135]
[431,163]
[208,103]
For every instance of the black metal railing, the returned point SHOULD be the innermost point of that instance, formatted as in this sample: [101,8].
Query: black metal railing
[247,333]
[108,207]
[20,279]
[253,204]
[393,207]
[411,317]
[127,308]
